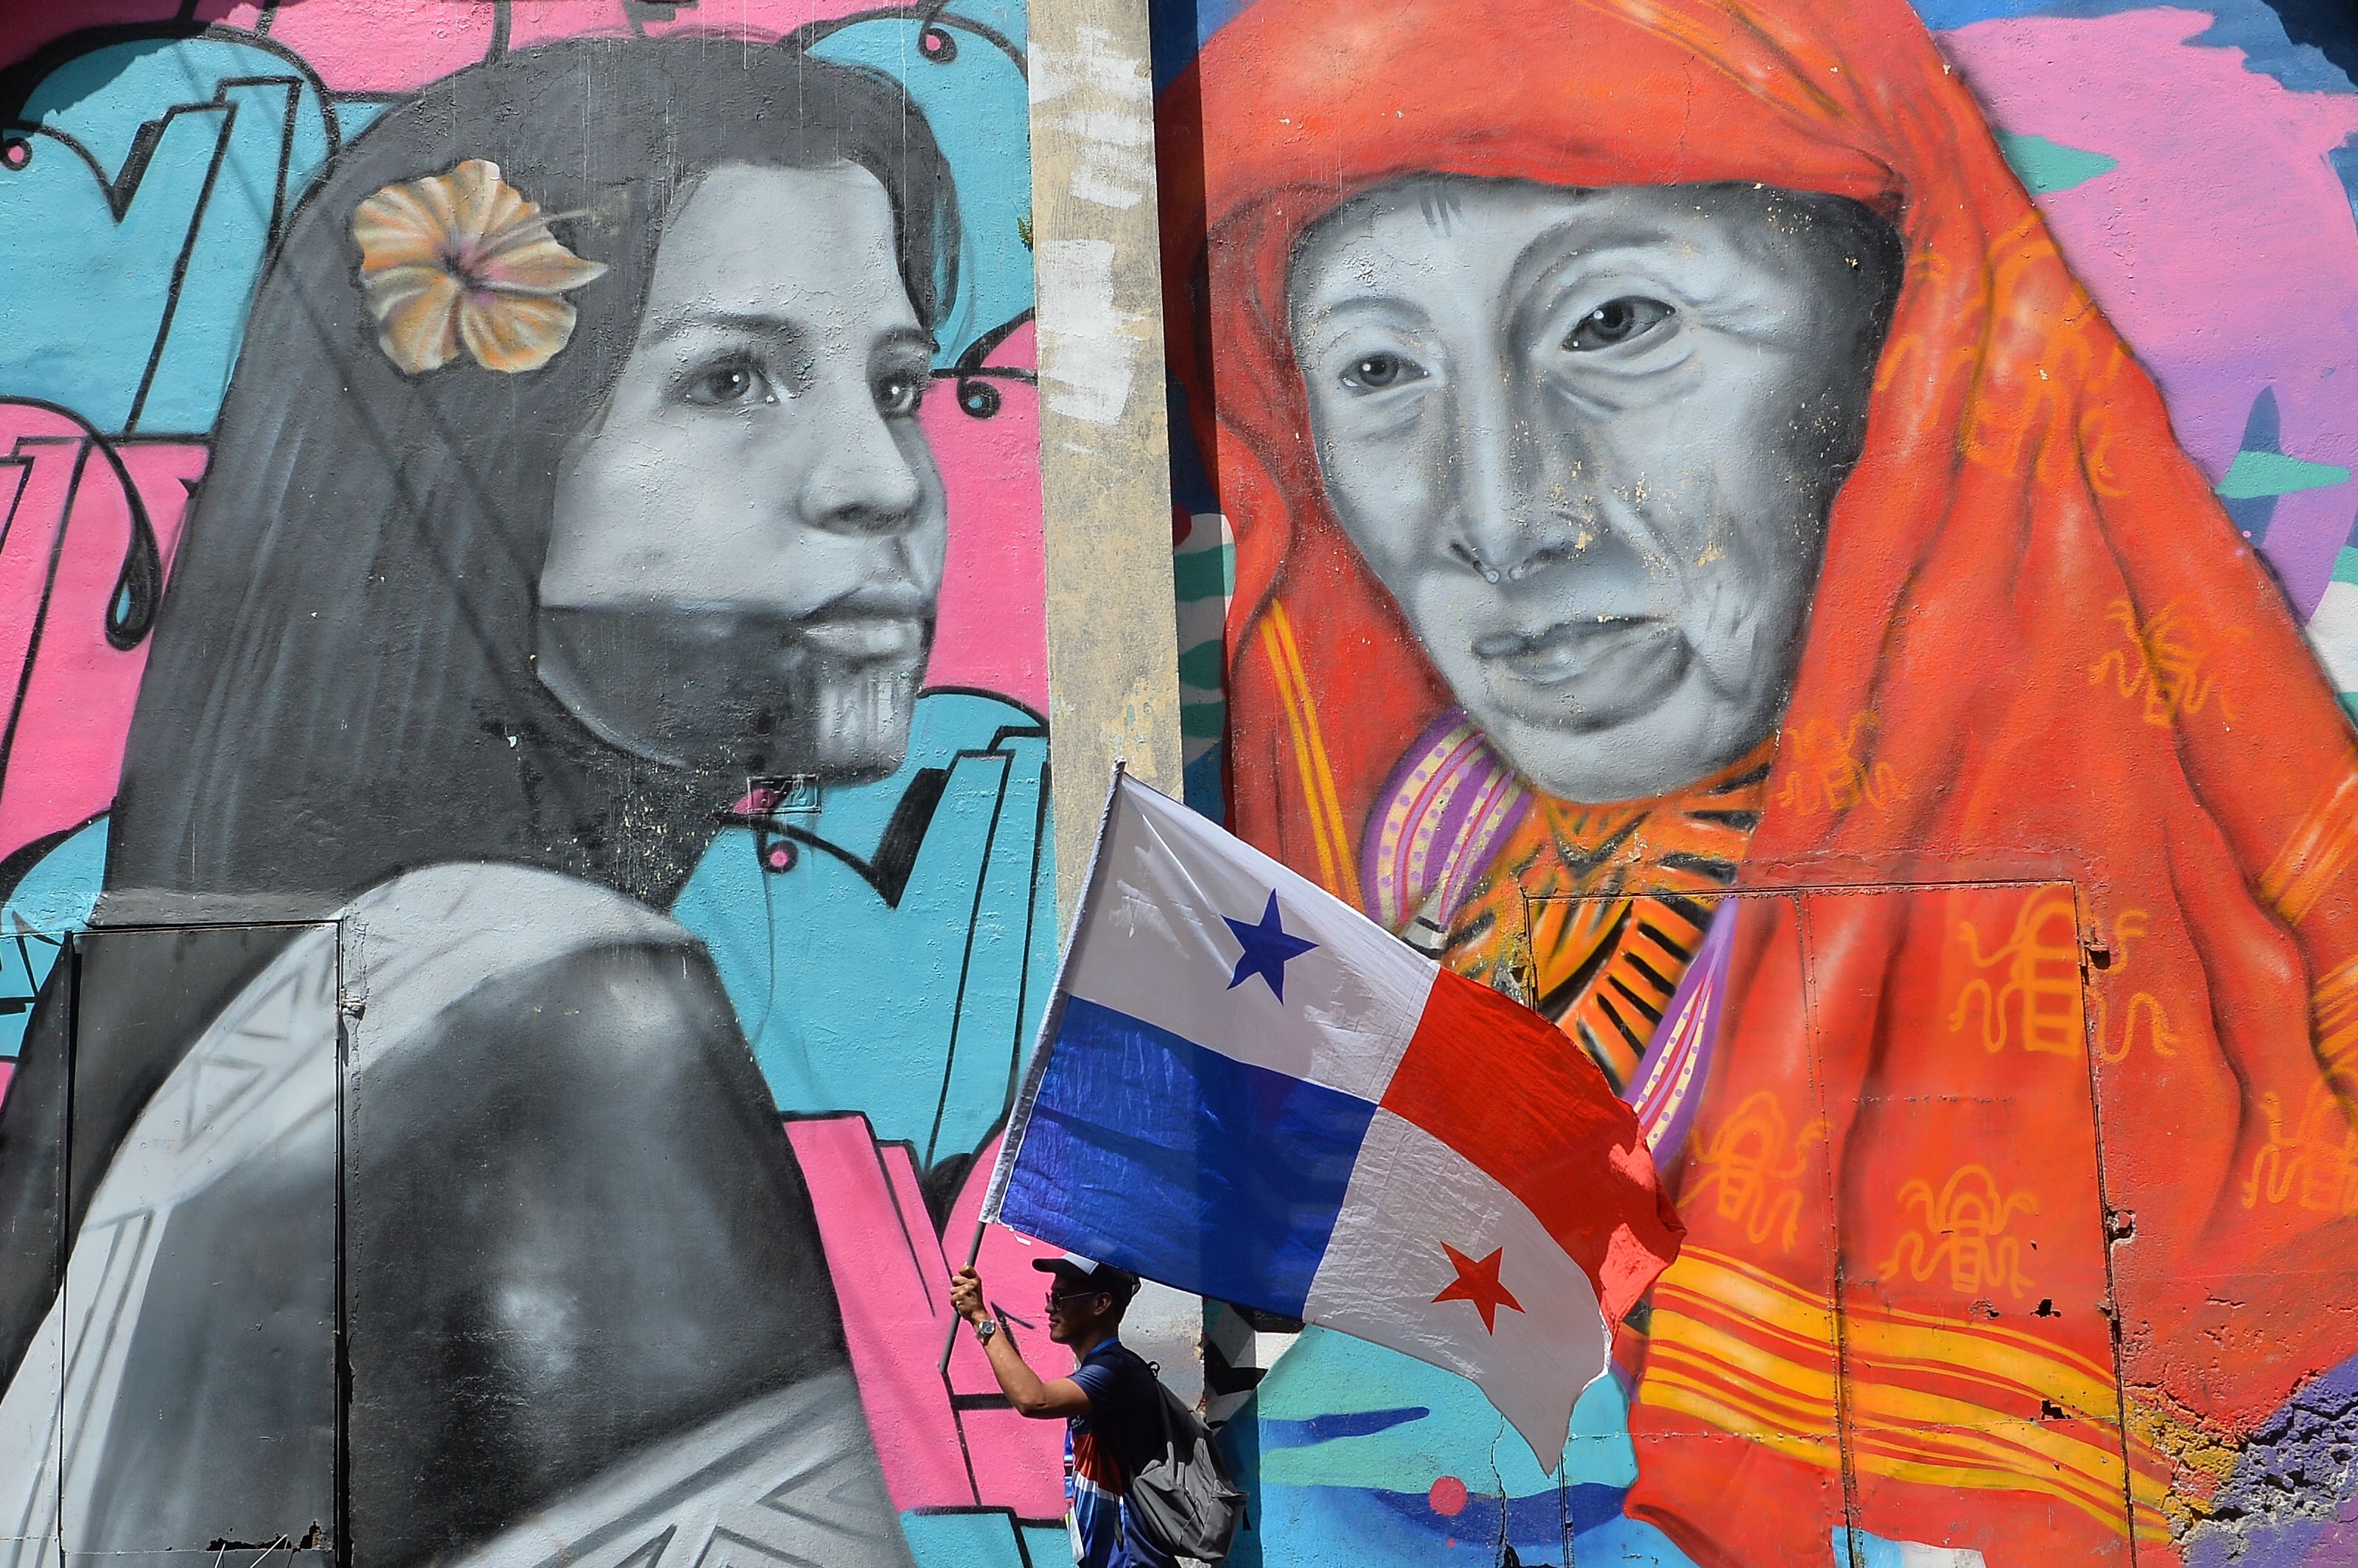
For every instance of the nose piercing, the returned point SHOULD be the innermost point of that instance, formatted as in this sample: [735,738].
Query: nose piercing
[1473,557]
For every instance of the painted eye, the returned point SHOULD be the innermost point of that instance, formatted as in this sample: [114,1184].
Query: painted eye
[729,386]
[1615,322]
[898,394]
[1378,372]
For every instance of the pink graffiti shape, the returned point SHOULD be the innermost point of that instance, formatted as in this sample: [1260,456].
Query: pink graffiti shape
[65,530]
[892,1280]
[537,21]
[1018,1464]
[26,27]
[884,1272]
[385,45]
[993,631]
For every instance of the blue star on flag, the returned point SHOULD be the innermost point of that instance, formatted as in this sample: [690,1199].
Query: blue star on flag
[1268,949]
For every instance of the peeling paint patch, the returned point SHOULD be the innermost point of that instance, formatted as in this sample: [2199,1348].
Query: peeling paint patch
[1100,96]
[1088,350]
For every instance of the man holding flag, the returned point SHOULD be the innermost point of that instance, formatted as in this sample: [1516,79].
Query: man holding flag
[1113,1417]
[1247,1090]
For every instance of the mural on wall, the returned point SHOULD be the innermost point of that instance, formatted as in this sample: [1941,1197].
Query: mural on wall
[520,540]
[1782,533]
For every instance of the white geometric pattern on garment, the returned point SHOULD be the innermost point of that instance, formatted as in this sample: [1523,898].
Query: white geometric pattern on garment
[787,1478]
[260,1081]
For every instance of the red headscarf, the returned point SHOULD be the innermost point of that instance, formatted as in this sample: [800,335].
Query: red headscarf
[2038,656]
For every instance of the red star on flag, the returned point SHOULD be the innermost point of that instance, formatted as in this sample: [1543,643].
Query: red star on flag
[1478,1282]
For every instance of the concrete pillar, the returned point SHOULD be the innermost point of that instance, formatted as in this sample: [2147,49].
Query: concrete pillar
[1104,462]
[1105,469]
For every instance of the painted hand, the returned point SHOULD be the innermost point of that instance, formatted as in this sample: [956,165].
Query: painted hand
[966,1295]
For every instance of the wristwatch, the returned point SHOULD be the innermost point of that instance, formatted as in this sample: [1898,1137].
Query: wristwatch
[985,1329]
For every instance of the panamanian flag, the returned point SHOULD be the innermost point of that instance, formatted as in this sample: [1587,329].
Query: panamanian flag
[1247,1090]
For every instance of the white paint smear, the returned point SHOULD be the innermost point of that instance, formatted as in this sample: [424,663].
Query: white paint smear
[1088,355]
[1102,98]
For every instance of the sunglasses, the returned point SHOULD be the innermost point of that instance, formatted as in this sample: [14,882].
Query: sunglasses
[1058,1298]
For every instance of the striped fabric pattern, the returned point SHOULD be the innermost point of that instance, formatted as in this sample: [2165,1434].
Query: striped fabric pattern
[1951,1401]
[1446,809]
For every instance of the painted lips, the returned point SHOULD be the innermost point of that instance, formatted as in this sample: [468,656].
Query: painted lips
[863,638]
[1573,650]
[876,622]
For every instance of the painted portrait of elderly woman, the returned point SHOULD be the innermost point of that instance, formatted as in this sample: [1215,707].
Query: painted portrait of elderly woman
[1706,564]
[421,1183]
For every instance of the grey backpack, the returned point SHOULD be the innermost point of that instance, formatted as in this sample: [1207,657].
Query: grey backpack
[1183,1497]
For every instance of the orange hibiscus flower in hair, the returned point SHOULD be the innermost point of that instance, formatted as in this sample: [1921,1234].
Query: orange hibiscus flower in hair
[464,260]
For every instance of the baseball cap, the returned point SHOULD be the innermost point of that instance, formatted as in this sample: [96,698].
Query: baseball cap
[1092,1273]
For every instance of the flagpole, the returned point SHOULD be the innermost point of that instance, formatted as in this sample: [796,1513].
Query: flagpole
[1020,1113]
[949,1341]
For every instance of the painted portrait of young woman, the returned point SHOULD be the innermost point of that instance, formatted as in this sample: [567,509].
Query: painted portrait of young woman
[571,495]
[1706,564]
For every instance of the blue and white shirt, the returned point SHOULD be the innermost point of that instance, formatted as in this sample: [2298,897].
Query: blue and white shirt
[1102,1449]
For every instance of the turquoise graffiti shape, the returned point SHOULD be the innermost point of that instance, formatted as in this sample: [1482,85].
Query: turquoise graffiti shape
[1007,18]
[2044,166]
[910,1002]
[47,906]
[1453,1431]
[143,188]
[1343,1427]
[974,96]
[983,1538]
[2273,473]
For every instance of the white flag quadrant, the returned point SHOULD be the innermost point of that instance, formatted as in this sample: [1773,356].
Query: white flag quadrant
[1433,1259]
[1161,944]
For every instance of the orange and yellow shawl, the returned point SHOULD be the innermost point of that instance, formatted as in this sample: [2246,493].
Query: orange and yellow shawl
[2038,653]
